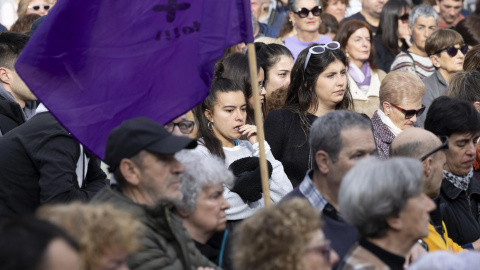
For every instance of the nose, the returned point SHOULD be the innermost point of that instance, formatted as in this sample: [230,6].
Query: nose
[263,91]
[414,118]
[471,150]
[225,203]
[177,166]
[333,257]
[240,115]
[451,12]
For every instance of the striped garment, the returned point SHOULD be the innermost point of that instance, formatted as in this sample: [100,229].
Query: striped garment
[421,65]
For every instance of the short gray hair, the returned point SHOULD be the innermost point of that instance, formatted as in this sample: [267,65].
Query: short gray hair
[325,131]
[200,172]
[374,190]
[424,11]
[292,5]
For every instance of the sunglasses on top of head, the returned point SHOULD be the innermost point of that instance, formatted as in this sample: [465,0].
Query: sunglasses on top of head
[37,7]
[452,51]
[303,12]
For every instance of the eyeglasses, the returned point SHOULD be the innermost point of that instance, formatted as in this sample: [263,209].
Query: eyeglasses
[262,84]
[37,7]
[324,250]
[452,51]
[303,12]
[319,49]
[410,113]
[404,18]
[186,127]
[444,145]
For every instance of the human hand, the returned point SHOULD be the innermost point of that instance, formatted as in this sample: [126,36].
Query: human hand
[250,131]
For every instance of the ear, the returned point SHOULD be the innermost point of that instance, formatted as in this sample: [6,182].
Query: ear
[395,223]
[208,114]
[322,159]
[387,108]
[291,16]
[130,171]
[476,104]
[5,75]
[182,212]
[427,167]
[435,61]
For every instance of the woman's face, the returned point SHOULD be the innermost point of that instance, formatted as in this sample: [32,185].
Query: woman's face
[403,26]
[318,254]
[337,9]
[331,84]
[359,45]
[261,88]
[209,216]
[40,4]
[308,24]
[228,114]
[461,152]
[422,29]
[398,117]
[443,61]
[279,74]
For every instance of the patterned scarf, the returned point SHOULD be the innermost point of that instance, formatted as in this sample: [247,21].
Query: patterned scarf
[460,182]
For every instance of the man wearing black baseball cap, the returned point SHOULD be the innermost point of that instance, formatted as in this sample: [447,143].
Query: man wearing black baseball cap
[140,153]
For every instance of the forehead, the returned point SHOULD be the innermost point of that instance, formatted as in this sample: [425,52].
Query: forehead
[234,98]
[361,32]
[430,20]
[284,62]
[357,138]
[306,4]
[464,136]
[450,3]
[335,66]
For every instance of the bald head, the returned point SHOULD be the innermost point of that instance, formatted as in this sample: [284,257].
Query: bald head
[414,142]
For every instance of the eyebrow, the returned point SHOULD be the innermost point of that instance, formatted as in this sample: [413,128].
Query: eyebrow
[229,106]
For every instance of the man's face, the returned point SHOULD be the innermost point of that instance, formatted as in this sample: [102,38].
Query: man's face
[415,217]
[159,178]
[449,10]
[432,186]
[256,6]
[357,143]
[373,7]
[20,90]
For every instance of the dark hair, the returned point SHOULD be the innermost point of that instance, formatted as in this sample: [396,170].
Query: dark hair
[468,28]
[472,59]
[209,140]
[301,95]
[464,85]
[329,24]
[389,22]
[235,66]
[447,116]
[269,55]
[24,240]
[287,28]
[24,23]
[350,27]
[11,45]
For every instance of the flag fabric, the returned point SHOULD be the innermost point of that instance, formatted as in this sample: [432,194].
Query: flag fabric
[95,64]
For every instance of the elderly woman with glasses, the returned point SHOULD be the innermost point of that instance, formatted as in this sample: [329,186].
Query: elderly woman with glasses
[288,236]
[423,22]
[318,85]
[389,209]
[447,50]
[460,191]
[401,96]
[305,18]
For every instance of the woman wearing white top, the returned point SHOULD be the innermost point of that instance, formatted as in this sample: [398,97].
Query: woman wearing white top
[221,122]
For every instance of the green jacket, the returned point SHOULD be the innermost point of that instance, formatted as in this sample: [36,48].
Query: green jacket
[165,244]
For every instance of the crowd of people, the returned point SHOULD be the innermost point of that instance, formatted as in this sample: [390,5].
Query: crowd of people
[371,119]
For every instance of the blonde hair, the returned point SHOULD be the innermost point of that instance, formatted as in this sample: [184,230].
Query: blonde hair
[472,59]
[400,87]
[282,232]
[97,228]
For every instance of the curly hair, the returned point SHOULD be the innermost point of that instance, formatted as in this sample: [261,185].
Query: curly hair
[97,228]
[282,232]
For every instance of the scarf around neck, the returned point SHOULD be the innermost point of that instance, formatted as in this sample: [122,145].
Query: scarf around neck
[361,76]
[387,121]
[460,182]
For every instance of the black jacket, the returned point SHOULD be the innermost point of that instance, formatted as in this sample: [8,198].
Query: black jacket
[460,210]
[38,162]
[11,115]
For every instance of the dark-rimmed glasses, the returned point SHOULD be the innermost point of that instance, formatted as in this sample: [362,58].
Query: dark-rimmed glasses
[444,145]
[324,250]
[410,113]
[303,12]
[319,49]
[404,18]
[37,7]
[452,51]
[185,126]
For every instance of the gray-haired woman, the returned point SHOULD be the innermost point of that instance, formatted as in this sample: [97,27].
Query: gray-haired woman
[423,22]
[389,209]
[203,206]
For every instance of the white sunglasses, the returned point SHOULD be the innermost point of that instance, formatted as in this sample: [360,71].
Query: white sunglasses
[319,49]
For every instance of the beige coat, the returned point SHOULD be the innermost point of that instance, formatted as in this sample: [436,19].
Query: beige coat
[370,102]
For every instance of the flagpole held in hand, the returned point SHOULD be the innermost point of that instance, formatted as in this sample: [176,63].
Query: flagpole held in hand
[252,60]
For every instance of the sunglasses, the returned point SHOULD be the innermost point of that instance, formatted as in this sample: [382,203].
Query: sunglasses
[324,250]
[452,51]
[319,49]
[444,145]
[404,18]
[410,113]
[303,12]
[37,7]
[186,127]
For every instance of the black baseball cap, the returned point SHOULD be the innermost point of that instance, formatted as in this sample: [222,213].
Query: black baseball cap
[141,133]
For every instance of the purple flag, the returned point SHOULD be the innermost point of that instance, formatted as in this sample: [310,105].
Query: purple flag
[95,64]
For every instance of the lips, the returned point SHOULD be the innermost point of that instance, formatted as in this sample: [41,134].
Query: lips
[339,92]
[237,128]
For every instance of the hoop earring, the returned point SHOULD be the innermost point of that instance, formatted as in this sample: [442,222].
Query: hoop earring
[209,125]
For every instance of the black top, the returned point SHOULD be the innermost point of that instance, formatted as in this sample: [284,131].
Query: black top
[289,144]
[383,57]
[11,115]
[360,17]
[394,261]
[38,165]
